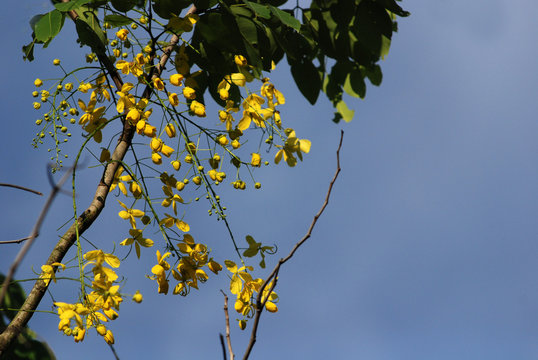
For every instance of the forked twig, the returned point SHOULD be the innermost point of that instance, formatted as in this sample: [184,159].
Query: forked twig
[273,277]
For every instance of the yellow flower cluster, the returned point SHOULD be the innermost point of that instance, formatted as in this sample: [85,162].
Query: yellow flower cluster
[244,286]
[188,271]
[100,305]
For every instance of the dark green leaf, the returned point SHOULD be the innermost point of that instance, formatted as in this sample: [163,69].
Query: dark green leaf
[204,4]
[88,36]
[49,25]
[307,78]
[374,74]
[354,84]
[71,5]
[123,5]
[167,8]
[260,10]
[89,16]
[286,18]
[235,162]
[247,28]
[28,51]
[117,20]
[393,7]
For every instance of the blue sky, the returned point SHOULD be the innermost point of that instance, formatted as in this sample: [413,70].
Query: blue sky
[428,247]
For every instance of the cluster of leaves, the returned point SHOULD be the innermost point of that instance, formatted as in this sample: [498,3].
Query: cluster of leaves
[334,48]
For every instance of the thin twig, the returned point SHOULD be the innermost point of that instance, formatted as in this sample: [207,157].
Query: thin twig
[228,338]
[22,188]
[86,219]
[260,301]
[222,346]
[18,241]
[33,235]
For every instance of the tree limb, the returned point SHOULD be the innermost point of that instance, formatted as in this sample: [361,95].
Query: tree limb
[228,338]
[86,219]
[260,302]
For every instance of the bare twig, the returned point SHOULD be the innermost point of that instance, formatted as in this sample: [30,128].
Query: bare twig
[33,235]
[228,338]
[22,188]
[86,219]
[273,277]
[222,346]
[18,241]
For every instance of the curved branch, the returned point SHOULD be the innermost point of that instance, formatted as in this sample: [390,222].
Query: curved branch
[260,303]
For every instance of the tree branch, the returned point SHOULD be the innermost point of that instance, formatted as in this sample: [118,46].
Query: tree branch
[260,302]
[22,188]
[228,338]
[86,219]
[33,234]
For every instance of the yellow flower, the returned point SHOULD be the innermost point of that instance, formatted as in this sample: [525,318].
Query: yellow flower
[56,62]
[198,108]
[256,160]
[170,130]
[169,220]
[122,34]
[214,266]
[137,297]
[189,93]
[292,146]
[48,272]
[117,181]
[130,214]
[271,94]
[173,99]
[92,115]
[109,337]
[176,79]
[159,271]
[240,60]
[138,240]
[158,84]
[68,86]
[156,158]
[38,82]
[236,79]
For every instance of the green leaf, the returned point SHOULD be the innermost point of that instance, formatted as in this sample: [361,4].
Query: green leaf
[28,51]
[247,28]
[260,10]
[117,20]
[307,78]
[374,74]
[71,5]
[354,84]
[89,16]
[346,113]
[88,36]
[393,7]
[286,18]
[123,5]
[204,4]
[167,8]
[49,25]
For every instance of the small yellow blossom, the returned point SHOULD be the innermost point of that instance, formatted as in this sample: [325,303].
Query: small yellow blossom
[173,99]
[56,62]
[137,297]
[122,34]
[38,82]
[170,130]
[189,93]
[240,60]
[176,79]
[198,108]
[158,84]
[255,160]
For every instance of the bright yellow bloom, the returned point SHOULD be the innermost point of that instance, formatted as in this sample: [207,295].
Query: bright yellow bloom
[68,86]
[256,160]
[156,158]
[236,79]
[170,130]
[122,34]
[117,181]
[292,146]
[92,115]
[198,108]
[48,272]
[38,82]
[176,79]
[159,271]
[169,221]
[173,99]
[137,297]
[130,214]
[138,240]
[56,62]
[109,337]
[240,60]
[171,198]
[158,84]
[189,93]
